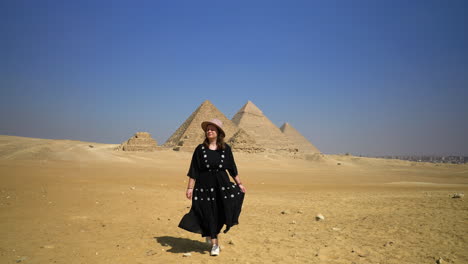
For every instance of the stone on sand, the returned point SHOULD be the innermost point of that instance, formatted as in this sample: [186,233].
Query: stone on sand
[319,217]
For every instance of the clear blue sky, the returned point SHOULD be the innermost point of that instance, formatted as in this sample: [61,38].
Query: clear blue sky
[366,77]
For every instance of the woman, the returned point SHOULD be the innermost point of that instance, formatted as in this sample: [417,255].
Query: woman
[215,200]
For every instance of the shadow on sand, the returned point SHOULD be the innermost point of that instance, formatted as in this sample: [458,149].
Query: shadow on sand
[183,245]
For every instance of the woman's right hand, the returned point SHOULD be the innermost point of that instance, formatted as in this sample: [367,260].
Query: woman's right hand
[189,193]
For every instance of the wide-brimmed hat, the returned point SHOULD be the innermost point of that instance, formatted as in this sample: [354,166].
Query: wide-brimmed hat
[215,122]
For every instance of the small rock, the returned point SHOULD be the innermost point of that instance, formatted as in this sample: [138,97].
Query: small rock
[389,243]
[299,212]
[319,217]
[361,253]
[336,229]
[339,163]
[21,259]
[440,261]
[48,246]
[285,212]
[150,253]
[293,222]
[231,242]
[132,188]
[91,146]
[187,254]
[458,195]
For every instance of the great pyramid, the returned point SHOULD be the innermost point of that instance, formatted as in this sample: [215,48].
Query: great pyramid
[190,133]
[303,144]
[251,119]
[141,141]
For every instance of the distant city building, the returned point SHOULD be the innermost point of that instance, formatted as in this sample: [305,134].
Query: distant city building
[432,159]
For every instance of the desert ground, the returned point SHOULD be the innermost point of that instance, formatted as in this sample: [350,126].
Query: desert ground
[64,201]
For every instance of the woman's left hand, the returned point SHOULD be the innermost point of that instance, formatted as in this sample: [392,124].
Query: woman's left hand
[242,188]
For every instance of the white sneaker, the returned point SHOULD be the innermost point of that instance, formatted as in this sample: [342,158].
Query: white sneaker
[215,250]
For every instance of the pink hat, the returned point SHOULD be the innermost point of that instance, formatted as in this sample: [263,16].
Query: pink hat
[215,122]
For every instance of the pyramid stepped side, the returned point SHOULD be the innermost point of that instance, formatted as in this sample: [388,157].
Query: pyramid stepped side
[251,119]
[243,142]
[303,144]
[190,133]
[178,134]
[141,141]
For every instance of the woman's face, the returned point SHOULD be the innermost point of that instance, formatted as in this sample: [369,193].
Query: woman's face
[211,132]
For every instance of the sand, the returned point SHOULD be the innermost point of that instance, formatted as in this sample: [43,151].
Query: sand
[63,201]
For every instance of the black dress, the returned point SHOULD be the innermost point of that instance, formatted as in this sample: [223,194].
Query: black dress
[216,201]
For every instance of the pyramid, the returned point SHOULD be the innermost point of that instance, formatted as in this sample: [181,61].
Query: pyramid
[251,119]
[141,141]
[241,141]
[190,133]
[303,144]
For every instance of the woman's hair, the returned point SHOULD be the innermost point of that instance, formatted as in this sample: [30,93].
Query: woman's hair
[219,141]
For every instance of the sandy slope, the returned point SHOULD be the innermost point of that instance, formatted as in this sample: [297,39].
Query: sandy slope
[62,201]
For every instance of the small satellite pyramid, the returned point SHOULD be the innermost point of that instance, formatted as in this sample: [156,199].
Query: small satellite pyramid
[303,144]
[190,133]
[251,119]
[141,141]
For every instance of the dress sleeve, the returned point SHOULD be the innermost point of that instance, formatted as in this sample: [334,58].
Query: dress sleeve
[232,164]
[194,169]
